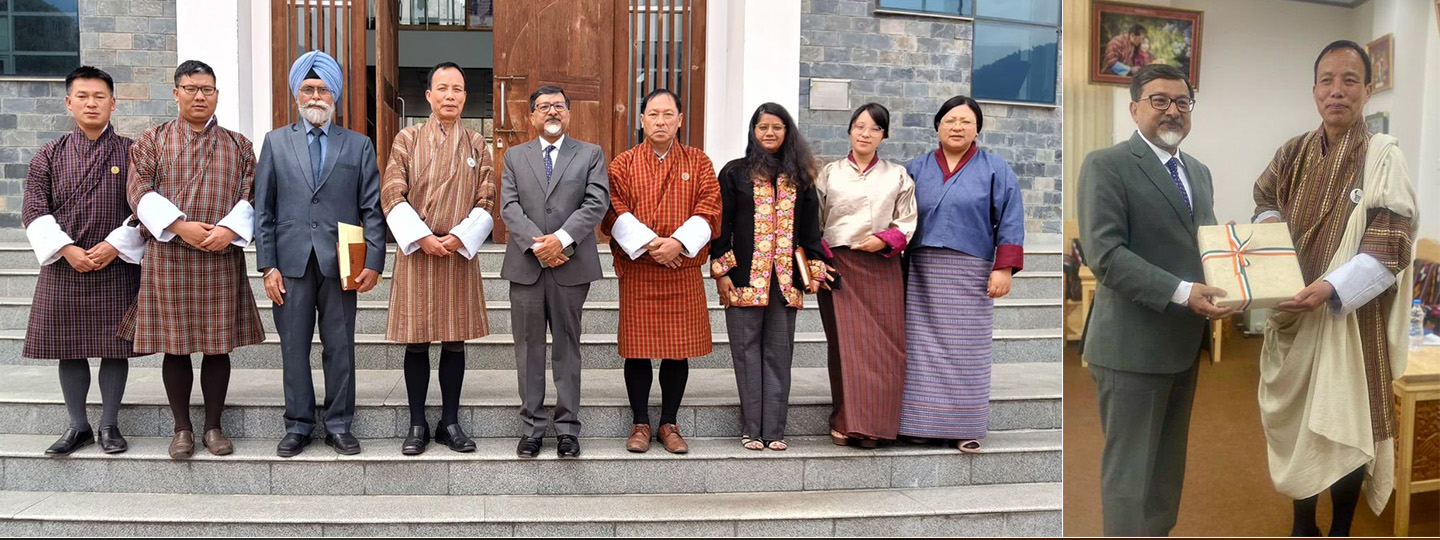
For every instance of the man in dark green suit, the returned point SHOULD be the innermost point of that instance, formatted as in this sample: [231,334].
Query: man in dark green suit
[1140,202]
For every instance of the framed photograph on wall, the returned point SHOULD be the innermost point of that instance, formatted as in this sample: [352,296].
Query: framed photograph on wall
[1378,122]
[1125,37]
[1382,62]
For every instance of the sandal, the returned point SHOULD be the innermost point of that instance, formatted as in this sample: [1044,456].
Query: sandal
[778,446]
[751,444]
[867,443]
[838,439]
[968,446]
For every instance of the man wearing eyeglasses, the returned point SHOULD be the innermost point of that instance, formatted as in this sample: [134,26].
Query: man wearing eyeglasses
[1333,350]
[1140,203]
[553,193]
[661,187]
[190,184]
[314,174]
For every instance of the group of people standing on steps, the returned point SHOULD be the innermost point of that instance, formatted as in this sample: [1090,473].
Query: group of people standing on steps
[152,233]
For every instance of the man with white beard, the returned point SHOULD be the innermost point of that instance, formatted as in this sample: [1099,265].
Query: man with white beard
[1140,203]
[312,175]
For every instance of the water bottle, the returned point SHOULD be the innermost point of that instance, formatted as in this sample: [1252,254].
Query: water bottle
[1417,325]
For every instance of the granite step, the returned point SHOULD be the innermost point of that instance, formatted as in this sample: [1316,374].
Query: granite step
[601,317]
[1027,285]
[1022,397]
[714,465]
[960,511]
[18,255]
[497,351]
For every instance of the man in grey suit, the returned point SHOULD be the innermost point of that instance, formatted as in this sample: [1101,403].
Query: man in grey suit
[553,192]
[312,175]
[1140,202]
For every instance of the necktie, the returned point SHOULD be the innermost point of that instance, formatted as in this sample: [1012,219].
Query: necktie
[549,165]
[1174,166]
[315,161]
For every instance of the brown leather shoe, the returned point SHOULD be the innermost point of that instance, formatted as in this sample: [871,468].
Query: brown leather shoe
[183,445]
[639,441]
[670,437]
[218,443]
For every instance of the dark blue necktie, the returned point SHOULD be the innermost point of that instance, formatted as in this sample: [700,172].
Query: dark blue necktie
[549,165]
[315,161]
[1174,166]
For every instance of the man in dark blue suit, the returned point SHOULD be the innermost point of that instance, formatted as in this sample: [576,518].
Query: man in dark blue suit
[312,175]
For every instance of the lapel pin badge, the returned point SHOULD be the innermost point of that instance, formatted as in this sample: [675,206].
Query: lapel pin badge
[685,176]
[470,161]
[1355,195]
[114,169]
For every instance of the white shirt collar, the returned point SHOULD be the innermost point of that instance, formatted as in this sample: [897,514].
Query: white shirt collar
[1160,153]
[558,143]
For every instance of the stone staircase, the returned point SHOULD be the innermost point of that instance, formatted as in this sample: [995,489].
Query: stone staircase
[718,489]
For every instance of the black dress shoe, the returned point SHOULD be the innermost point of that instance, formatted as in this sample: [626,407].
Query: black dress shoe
[344,443]
[569,447]
[292,444]
[71,441]
[455,438]
[529,447]
[111,441]
[416,441]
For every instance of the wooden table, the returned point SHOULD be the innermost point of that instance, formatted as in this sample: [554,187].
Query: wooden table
[1417,460]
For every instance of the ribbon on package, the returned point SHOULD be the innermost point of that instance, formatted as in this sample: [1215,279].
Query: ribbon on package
[1239,255]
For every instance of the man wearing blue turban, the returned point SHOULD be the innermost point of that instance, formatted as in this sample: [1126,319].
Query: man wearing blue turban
[313,175]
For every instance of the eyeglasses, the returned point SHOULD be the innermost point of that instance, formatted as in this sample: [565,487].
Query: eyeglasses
[308,91]
[192,89]
[1162,103]
[547,107]
[953,121]
[873,130]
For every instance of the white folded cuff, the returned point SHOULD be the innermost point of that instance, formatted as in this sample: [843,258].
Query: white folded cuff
[129,242]
[47,239]
[632,235]
[1267,215]
[473,230]
[407,227]
[241,220]
[1182,293]
[564,238]
[1357,282]
[157,213]
[694,234]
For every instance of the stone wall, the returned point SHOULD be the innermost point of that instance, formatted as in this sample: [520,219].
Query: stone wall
[133,40]
[911,64]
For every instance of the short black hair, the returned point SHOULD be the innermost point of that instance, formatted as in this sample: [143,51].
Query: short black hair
[644,103]
[193,67]
[1344,44]
[430,77]
[89,72]
[1138,29]
[956,102]
[878,113]
[548,90]
[1150,72]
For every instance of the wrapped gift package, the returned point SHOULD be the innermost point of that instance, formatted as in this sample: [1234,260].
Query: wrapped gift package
[1255,264]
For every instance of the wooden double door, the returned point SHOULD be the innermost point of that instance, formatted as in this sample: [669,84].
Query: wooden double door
[607,55]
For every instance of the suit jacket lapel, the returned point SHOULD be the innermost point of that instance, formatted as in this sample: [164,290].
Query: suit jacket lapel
[1158,175]
[532,153]
[1203,193]
[301,148]
[567,151]
[334,144]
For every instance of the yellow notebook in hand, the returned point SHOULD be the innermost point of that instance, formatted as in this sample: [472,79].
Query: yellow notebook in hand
[351,252]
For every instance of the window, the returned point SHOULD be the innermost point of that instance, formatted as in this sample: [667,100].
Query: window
[1016,49]
[39,38]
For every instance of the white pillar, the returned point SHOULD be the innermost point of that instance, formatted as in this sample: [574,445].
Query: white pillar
[752,56]
[210,32]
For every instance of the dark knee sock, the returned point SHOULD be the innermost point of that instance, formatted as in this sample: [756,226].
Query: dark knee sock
[1305,517]
[75,385]
[417,380]
[673,374]
[452,378]
[214,383]
[1344,496]
[176,372]
[637,386]
[113,373]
